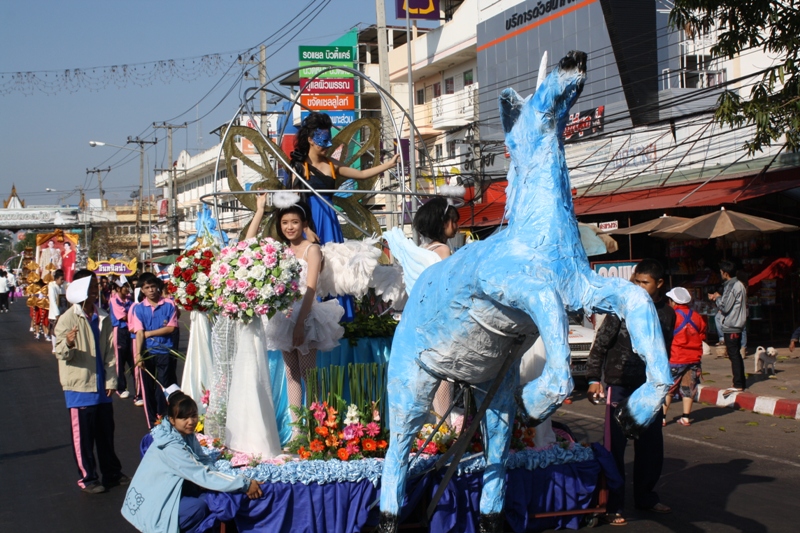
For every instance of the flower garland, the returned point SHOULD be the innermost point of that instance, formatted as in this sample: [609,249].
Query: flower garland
[255,278]
[189,282]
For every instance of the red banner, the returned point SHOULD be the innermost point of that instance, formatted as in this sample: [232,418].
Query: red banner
[325,102]
[328,85]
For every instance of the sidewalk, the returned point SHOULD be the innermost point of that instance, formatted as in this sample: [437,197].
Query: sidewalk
[778,396]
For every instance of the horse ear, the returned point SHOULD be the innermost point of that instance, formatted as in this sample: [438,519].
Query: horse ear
[542,70]
[510,108]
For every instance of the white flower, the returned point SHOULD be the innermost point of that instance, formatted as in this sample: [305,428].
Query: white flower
[258,272]
[241,273]
[183,263]
[266,292]
[352,416]
[202,279]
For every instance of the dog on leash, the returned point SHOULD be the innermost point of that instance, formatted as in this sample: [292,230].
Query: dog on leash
[765,359]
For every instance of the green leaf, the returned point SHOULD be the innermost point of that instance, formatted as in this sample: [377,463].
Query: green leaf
[249,312]
[751,424]
[722,428]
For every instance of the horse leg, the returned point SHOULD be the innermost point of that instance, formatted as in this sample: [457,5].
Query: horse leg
[409,394]
[499,422]
[545,394]
[635,306]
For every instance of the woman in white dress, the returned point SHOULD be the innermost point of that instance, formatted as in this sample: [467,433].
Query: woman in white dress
[311,325]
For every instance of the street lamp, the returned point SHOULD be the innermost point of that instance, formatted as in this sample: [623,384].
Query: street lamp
[141,144]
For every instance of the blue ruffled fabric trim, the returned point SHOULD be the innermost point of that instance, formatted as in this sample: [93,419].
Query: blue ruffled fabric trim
[335,471]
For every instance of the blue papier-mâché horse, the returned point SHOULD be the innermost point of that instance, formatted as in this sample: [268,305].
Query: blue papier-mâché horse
[465,314]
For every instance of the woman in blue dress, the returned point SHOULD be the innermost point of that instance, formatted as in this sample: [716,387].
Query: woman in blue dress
[309,161]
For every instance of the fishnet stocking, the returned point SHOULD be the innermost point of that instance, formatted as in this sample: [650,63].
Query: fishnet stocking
[297,365]
[443,398]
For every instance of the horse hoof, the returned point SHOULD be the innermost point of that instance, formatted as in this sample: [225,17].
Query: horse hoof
[491,523]
[388,524]
[630,428]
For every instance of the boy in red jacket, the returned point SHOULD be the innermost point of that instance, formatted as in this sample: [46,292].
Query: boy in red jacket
[686,352]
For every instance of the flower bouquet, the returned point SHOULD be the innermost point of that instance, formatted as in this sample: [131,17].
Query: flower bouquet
[189,280]
[443,439]
[333,438]
[255,278]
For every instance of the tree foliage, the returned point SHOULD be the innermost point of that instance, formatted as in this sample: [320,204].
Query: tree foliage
[743,25]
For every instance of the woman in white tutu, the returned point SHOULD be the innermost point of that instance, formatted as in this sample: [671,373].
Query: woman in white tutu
[311,325]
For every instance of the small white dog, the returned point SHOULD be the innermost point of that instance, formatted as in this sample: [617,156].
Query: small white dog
[765,359]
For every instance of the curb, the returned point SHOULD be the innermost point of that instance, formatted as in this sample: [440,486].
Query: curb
[765,405]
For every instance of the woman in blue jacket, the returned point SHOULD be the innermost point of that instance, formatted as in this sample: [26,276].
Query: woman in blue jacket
[167,493]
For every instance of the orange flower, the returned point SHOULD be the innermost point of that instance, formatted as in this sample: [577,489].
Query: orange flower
[316,446]
[322,431]
[369,445]
[382,444]
[332,442]
[343,455]
[303,453]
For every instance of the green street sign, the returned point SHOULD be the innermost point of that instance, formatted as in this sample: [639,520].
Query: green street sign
[326,54]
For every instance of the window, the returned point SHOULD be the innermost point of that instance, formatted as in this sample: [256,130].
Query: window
[468,78]
[451,149]
[449,86]
[437,90]
[420,96]
[438,151]
[421,157]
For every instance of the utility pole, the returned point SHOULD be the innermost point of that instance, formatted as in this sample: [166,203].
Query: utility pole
[387,136]
[262,80]
[173,241]
[141,143]
[100,183]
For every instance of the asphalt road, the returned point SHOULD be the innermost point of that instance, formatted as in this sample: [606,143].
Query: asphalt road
[729,471]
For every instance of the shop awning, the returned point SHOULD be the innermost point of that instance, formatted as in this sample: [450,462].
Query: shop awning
[729,191]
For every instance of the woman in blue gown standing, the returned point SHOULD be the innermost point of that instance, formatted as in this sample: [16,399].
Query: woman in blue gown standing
[309,161]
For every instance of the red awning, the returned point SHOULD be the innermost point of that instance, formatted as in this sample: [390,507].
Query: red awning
[720,192]
[714,193]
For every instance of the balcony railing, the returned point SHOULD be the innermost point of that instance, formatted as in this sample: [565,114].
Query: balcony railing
[454,110]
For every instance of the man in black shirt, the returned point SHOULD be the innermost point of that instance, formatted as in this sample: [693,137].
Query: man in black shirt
[613,359]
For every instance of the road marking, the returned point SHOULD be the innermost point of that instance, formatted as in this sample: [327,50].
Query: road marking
[704,443]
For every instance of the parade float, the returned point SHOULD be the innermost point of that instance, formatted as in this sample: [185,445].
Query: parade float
[332,474]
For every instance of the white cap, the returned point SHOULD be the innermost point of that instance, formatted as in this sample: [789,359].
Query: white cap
[136,293]
[78,290]
[169,390]
[122,281]
[679,295]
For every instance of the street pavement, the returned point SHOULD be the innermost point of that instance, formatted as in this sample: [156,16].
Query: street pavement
[730,470]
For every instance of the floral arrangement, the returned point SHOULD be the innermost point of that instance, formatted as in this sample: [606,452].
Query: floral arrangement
[189,280]
[441,441]
[330,437]
[255,278]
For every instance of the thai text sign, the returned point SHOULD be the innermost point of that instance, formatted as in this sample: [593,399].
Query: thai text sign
[417,9]
[310,69]
[325,54]
[328,86]
[615,269]
[340,119]
[584,123]
[108,267]
[328,102]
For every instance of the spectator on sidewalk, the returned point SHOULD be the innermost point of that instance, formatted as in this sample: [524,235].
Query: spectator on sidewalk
[86,368]
[685,354]
[794,341]
[12,285]
[612,358]
[3,291]
[732,303]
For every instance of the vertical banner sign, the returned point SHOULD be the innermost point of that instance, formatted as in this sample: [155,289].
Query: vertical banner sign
[332,92]
[417,9]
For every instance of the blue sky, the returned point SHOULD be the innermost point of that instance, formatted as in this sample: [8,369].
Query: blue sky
[44,141]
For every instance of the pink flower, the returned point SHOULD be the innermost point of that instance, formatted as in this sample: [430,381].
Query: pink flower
[231,309]
[224,269]
[268,248]
[352,448]
[373,429]
[270,261]
[294,286]
[353,431]
[242,285]
[280,288]
[220,301]
[242,245]
[319,411]
[244,261]
[242,305]
[258,255]
[252,294]
[230,284]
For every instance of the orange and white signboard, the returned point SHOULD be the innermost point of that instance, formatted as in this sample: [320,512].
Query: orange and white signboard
[329,102]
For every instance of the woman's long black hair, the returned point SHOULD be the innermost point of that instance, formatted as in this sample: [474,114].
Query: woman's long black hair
[432,217]
[314,121]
